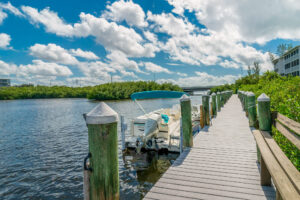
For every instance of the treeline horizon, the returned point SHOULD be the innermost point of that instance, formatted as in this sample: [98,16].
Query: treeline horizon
[107,91]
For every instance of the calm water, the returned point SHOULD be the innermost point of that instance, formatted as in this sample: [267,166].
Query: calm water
[43,143]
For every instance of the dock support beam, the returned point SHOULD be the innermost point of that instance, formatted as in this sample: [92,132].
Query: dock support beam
[102,123]
[186,117]
[205,103]
[214,104]
[251,108]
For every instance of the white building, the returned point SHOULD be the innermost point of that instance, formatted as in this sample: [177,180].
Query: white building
[288,64]
[4,82]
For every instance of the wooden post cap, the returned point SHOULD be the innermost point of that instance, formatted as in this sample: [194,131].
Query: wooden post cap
[185,98]
[250,94]
[263,97]
[102,114]
[213,94]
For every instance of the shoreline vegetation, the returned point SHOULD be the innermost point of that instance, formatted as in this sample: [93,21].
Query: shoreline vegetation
[107,91]
[284,93]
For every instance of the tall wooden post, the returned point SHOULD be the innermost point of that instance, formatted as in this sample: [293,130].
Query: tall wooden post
[264,120]
[186,118]
[218,101]
[264,114]
[102,123]
[214,104]
[205,103]
[201,116]
[243,100]
[251,108]
[222,99]
[246,103]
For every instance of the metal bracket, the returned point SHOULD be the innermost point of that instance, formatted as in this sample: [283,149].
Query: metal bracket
[85,165]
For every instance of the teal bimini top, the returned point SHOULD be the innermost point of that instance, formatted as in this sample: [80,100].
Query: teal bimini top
[157,94]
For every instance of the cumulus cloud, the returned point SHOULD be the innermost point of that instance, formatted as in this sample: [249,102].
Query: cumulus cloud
[208,49]
[96,69]
[170,24]
[4,40]
[127,11]
[111,35]
[41,68]
[252,21]
[3,15]
[7,69]
[50,19]
[202,79]
[181,74]
[53,53]
[84,54]
[151,67]
[118,60]
[11,8]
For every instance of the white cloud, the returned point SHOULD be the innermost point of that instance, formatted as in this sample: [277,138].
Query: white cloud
[230,64]
[7,69]
[41,68]
[211,49]
[118,60]
[151,67]
[127,11]
[181,74]
[11,8]
[96,69]
[50,19]
[3,15]
[109,34]
[114,37]
[202,79]
[53,53]
[4,40]
[170,24]
[84,54]
[252,21]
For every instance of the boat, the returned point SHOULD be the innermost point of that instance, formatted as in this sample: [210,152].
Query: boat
[160,129]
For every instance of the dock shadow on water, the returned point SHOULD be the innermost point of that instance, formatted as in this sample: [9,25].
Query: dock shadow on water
[145,169]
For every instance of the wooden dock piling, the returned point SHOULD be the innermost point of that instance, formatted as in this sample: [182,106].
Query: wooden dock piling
[251,108]
[201,116]
[186,117]
[264,114]
[205,103]
[214,104]
[102,123]
[219,101]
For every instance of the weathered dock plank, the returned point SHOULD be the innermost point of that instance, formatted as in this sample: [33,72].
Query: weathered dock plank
[221,165]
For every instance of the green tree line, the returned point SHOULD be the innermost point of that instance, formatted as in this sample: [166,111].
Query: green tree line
[108,91]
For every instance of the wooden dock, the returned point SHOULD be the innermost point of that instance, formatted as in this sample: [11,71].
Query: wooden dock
[221,165]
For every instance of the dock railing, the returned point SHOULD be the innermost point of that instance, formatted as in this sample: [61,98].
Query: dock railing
[274,164]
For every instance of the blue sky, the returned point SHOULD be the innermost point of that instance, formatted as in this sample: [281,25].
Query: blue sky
[187,42]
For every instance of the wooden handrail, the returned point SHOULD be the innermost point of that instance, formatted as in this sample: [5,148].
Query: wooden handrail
[292,137]
[289,123]
[270,167]
[291,171]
